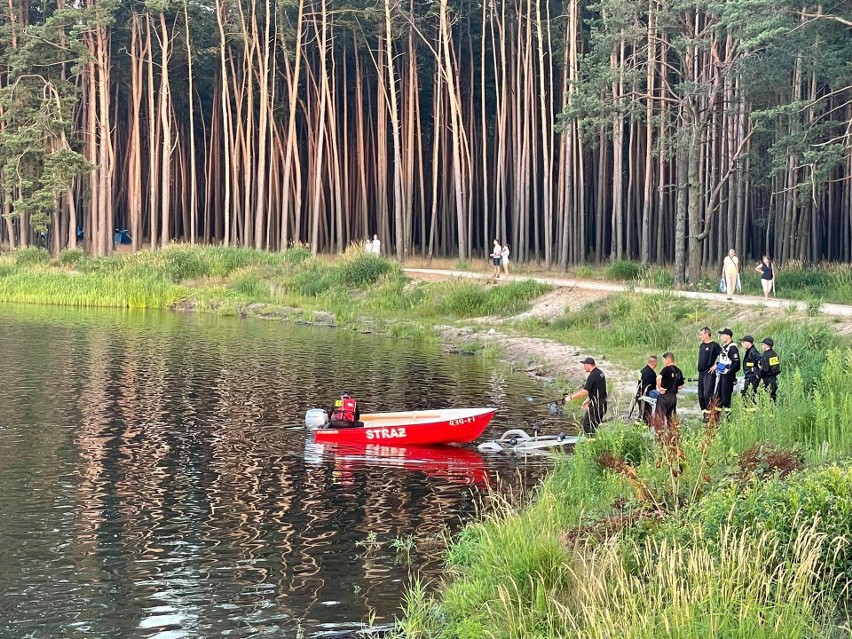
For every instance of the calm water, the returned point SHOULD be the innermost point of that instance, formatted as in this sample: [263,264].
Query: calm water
[155,482]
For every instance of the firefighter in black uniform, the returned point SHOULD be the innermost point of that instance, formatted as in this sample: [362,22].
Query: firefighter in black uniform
[708,353]
[726,369]
[595,395]
[751,359]
[769,367]
[647,383]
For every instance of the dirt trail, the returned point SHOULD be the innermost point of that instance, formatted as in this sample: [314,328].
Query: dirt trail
[606,288]
[546,359]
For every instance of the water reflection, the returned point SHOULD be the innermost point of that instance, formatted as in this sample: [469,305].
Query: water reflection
[151,484]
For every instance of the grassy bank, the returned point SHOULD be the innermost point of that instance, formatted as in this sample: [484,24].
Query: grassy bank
[359,290]
[742,529]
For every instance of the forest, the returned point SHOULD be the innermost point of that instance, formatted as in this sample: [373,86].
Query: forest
[662,131]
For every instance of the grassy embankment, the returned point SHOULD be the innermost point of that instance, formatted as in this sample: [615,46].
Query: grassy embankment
[738,530]
[363,292]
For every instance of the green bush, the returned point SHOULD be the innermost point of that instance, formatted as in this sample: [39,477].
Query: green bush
[362,269]
[821,497]
[72,257]
[661,278]
[630,442]
[623,270]
[31,255]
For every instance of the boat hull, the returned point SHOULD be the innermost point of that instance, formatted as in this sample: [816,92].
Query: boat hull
[421,428]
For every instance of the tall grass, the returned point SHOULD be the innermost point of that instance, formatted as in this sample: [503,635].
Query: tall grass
[743,584]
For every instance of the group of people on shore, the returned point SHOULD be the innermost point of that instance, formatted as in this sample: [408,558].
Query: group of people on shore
[500,257]
[730,282]
[718,365]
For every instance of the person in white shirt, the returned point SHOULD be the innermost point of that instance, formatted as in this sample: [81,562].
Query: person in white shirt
[377,245]
[496,256]
[731,272]
[504,258]
[368,246]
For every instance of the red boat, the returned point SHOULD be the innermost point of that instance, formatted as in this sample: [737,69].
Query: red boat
[419,427]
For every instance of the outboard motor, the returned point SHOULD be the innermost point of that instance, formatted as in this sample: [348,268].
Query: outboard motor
[316,418]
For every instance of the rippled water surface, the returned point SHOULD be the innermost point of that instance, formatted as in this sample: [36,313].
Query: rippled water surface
[155,480]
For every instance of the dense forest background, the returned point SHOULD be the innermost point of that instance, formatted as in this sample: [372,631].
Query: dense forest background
[575,130]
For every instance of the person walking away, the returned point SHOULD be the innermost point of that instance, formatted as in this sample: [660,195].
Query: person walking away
[769,367]
[767,276]
[496,257]
[594,392]
[726,369]
[377,245]
[708,353]
[345,413]
[669,382]
[647,383]
[731,272]
[751,359]
[504,258]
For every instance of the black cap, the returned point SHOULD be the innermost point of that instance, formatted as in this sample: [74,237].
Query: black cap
[726,331]
[588,360]
[345,394]
[747,338]
[768,341]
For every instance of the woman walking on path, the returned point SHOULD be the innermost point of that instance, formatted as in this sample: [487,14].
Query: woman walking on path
[767,276]
[504,257]
[731,272]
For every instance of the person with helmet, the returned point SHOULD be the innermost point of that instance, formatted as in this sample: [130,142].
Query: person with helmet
[769,367]
[345,412]
[708,354]
[751,359]
[726,369]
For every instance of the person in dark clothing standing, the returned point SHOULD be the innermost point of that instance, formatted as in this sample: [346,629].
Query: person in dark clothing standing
[769,368]
[751,359]
[669,383]
[726,369]
[647,383]
[708,353]
[595,393]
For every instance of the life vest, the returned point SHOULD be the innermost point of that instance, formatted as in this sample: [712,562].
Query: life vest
[344,409]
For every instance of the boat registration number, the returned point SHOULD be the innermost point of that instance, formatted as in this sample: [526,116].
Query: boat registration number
[463,420]
[386,433]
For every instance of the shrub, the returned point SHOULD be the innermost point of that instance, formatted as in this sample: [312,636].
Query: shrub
[72,257]
[31,255]
[821,497]
[622,270]
[662,278]
[362,269]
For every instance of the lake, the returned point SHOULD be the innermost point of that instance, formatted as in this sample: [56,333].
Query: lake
[156,481]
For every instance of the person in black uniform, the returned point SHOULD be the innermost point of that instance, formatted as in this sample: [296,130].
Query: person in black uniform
[647,383]
[595,393]
[708,353]
[726,369]
[669,383]
[769,367]
[751,358]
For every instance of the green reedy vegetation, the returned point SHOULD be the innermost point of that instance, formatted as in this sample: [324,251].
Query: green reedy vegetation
[741,529]
[354,287]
